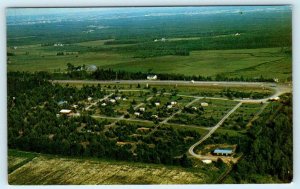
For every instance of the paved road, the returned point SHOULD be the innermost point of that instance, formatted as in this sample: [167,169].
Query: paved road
[279,90]
[179,111]
[170,82]
[191,149]
[93,104]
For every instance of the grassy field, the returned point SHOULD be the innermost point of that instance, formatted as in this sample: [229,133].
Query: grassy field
[46,169]
[269,62]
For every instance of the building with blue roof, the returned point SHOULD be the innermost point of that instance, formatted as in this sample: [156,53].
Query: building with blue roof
[223,151]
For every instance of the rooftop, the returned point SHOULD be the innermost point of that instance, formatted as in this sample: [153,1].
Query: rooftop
[223,151]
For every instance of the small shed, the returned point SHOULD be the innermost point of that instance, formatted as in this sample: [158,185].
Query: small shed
[89,98]
[157,104]
[142,109]
[207,161]
[65,111]
[137,113]
[112,100]
[169,106]
[204,104]
[62,102]
[103,104]
[173,103]
[155,116]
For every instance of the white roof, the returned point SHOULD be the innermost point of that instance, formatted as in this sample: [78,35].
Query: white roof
[65,111]
[204,104]
[207,161]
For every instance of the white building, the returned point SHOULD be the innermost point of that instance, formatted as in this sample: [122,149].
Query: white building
[118,98]
[204,104]
[169,106]
[173,103]
[137,113]
[155,116]
[152,77]
[112,100]
[207,161]
[65,111]
[103,104]
[89,98]
[157,104]
[75,106]
[142,109]
[194,108]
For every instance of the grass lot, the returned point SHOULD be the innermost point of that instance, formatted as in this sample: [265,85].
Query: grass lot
[269,62]
[17,159]
[239,119]
[210,115]
[46,169]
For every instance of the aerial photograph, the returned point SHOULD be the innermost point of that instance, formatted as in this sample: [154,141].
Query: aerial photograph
[149,95]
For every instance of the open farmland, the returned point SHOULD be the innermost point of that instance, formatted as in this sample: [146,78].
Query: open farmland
[250,63]
[60,170]
[149,95]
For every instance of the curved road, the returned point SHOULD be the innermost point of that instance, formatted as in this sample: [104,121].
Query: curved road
[279,90]
[191,149]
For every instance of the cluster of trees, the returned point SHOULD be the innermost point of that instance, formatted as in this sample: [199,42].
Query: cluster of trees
[270,149]
[197,119]
[33,125]
[241,94]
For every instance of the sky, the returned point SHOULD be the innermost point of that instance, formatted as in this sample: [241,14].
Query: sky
[48,11]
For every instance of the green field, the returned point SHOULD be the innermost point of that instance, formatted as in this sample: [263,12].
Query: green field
[252,63]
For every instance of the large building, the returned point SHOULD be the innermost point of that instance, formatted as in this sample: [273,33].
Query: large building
[222,152]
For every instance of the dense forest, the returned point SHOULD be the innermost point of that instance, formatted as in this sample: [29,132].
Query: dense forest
[271,146]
